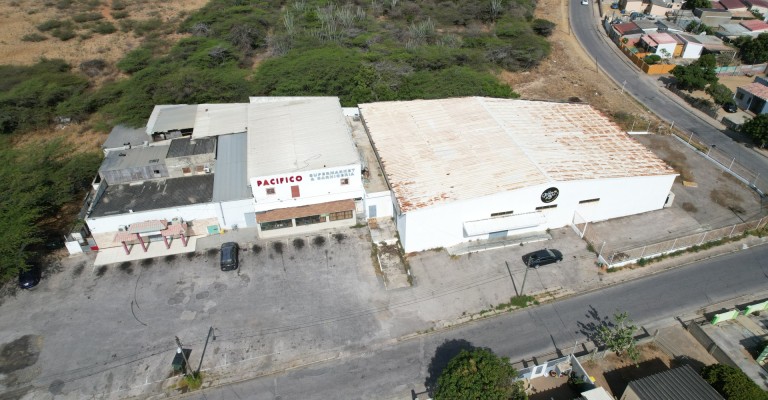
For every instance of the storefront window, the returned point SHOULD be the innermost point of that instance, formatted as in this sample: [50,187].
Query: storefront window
[340,215]
[286,223]
[312,219]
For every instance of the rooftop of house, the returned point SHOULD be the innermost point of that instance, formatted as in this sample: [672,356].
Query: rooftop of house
[155,194]
[754,25]
[757,89]
[733,4]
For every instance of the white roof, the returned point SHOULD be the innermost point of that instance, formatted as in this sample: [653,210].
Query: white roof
[596,394]
[220,119]
[436,151]
[168,117]
[290,134]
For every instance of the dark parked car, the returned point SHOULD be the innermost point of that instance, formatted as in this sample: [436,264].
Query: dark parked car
[30,277]
[730,107]
[229,256]
[542,257]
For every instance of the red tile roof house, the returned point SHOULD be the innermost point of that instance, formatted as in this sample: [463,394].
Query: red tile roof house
[755,25]
[733,5]
[620,30]
[753,97]
[661,44]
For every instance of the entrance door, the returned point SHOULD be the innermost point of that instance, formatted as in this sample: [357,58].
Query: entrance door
[372,211]
[497,235]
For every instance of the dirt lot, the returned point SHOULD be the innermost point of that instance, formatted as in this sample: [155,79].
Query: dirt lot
[21,17]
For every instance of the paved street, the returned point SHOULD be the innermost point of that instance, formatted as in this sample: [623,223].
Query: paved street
[646,88]
[393,371]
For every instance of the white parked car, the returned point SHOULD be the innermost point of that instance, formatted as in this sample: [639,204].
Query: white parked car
[584,2]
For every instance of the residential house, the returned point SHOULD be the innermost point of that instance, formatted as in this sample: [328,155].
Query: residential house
[618,31]
[753,97]
[733,5]
[760,6]
[752,28]
[661,44]
[660,8]
[755,26]
[712,17]
[682,383]
[692,48]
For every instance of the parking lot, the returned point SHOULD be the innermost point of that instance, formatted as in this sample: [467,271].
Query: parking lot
[110,330]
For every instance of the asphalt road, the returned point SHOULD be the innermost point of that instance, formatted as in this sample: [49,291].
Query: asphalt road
[393,371]
[645,89]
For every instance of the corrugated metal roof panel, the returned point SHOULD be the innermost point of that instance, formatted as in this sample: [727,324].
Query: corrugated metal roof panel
[220,119]
[230,180]
[136,157]
[297,134]
[681,383]
[436,151]
[186,146]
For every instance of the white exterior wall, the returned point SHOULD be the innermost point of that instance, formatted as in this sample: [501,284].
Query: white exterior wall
[443,225]
[315,186]
[692,50]
[233,212]
[382,201]
[106,224]
[669,47]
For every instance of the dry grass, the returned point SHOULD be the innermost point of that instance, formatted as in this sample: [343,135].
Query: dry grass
[21,17]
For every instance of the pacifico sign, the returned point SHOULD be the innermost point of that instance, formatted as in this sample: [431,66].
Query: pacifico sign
[280,180]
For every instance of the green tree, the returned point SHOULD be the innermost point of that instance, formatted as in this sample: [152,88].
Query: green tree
[720,93]
[757,129]
[37,181]
[698,27]
[732,383]
[619,336]
[753,51]
[479,374]
[691,4]
[698,74]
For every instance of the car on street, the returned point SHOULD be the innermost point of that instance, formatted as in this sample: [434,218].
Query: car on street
[229,256]
[30,277]
[584,2]
[542,257]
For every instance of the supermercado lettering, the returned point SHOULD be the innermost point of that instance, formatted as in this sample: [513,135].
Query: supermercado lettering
[280,180]
[338,173]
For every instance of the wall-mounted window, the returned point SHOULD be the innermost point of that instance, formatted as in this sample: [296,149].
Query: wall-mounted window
[295,191]
[345,181]
[340,215]
[285,223]
[270,190]
[499,214]
[546,207]
[590,201]
[312,219]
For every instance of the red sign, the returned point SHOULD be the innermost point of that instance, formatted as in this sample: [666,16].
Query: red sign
[278,181]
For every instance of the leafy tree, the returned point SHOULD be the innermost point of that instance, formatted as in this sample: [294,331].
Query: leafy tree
[720,93]
[619,336]
[697,75]
[37,181]
[732,383]
[753,51]
[757,129]
[479,374]
[699,27]
[691,4]
[652,59]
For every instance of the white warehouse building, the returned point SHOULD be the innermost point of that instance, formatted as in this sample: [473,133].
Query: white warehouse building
[476,168]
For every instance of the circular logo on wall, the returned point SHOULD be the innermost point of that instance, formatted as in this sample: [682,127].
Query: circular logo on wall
[550,195]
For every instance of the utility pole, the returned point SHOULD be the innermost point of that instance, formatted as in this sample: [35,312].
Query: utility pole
[527,267]
[210,333]
[183,354]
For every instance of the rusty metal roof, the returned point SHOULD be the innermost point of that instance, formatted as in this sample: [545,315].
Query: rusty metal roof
[436,151]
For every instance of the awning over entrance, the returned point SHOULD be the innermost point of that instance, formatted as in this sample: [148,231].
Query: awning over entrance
[305,211]
[506,223]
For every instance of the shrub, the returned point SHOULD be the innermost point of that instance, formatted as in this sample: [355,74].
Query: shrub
[49,25]
[120,14]
[63,34]
[104,28]
[93,68]
[118,5]
[142,28]
[135,61]
[543,27]
[33,37]
[652,59]
[86,17]
[732,383]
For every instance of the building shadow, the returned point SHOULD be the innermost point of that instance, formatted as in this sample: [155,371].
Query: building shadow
[444,354]
[619,378]
[681,360]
